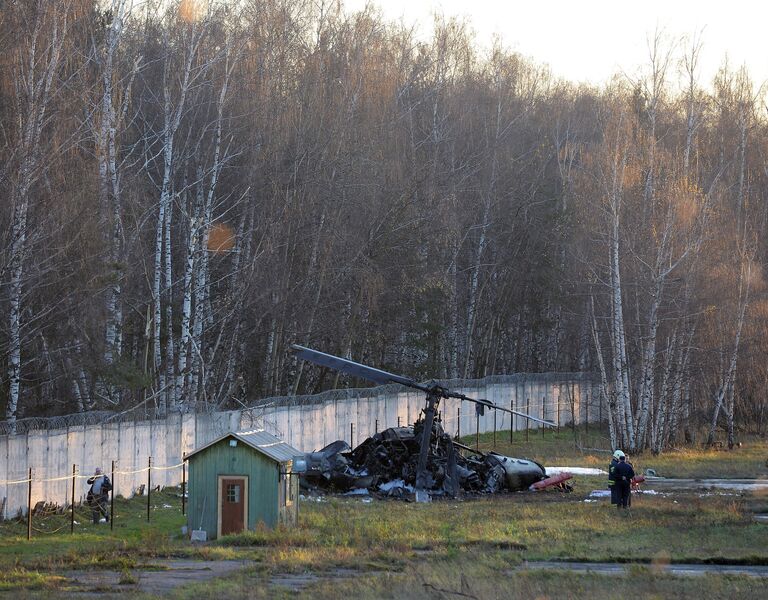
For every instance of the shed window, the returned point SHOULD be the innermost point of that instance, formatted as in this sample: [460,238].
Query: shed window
[233,493]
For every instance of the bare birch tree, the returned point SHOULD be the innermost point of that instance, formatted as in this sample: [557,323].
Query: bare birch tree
[37,56]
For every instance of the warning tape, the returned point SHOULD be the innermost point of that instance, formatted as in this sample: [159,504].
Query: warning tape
[79,476]
[154,468]
[16,481]
[131,472]
[66,477]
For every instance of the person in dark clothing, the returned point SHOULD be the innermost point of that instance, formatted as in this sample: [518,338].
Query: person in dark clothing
[624,474]
[612,476]
[98,496]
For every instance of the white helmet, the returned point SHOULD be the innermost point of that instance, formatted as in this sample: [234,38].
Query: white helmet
[618,454]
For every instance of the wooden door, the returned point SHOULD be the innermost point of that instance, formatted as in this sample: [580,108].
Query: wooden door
[233,499]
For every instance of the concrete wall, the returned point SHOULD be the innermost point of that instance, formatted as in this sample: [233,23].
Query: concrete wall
[306,422]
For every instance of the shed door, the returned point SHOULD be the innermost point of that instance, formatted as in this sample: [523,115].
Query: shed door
[233,503]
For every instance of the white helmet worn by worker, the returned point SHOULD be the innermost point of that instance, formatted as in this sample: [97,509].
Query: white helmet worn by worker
[618,454]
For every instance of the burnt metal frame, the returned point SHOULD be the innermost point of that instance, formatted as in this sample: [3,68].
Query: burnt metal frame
[433,390]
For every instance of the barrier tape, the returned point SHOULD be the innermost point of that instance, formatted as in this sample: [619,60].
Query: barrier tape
[154,468]
[79,476]
[16,481]
[53,479]
[131,472]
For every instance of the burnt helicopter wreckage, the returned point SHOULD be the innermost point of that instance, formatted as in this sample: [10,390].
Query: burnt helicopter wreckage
[422,459]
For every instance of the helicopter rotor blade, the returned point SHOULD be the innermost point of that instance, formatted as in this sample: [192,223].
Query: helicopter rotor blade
[353,368]
[490,404]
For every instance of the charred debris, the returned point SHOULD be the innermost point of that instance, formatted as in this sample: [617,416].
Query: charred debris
[422,459]
[386,464]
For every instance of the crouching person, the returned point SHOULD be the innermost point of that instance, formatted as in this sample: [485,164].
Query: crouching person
[98,496]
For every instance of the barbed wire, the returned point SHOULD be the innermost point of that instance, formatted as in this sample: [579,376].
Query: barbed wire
[142,413]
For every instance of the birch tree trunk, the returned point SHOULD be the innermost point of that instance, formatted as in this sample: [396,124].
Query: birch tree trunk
[182,378]
[36,63]
[648,365]
[174,107]
[725,390]
[693,103]
[107,132]
[620,373]
[607,393]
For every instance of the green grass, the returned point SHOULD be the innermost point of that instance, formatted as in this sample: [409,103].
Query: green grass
[414,550]
[97,545]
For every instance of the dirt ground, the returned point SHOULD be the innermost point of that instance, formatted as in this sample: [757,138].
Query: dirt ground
[159,577]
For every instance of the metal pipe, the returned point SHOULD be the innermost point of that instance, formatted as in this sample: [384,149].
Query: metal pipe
[469,449]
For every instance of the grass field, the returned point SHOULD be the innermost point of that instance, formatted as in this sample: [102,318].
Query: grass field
[446,549]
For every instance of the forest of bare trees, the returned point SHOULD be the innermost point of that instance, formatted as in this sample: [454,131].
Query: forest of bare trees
[188,187]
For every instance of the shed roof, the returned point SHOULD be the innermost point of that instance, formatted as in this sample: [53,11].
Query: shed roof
[259,440]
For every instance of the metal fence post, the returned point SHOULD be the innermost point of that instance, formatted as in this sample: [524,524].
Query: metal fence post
[184,483]
[149,485]
[512,420]
[477,430]
[29,506]
[112,501]
[458,421]
[527,421]
[72,505]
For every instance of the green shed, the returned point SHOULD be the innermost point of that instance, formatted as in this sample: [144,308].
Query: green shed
[240,480]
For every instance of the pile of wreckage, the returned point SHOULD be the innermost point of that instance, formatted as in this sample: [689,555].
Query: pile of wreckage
[387,464]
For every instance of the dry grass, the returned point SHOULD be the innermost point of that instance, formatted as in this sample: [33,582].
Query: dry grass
[471,546]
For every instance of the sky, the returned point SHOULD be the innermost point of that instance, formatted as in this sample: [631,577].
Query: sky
[591,40]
